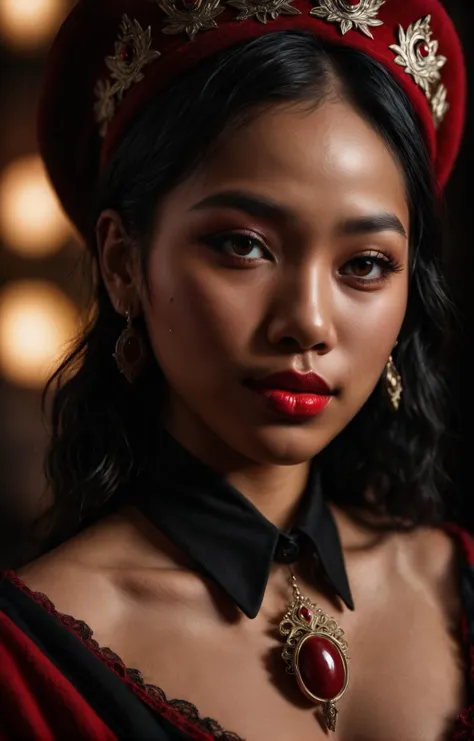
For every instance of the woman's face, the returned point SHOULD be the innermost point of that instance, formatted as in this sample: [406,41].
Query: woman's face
[286,251]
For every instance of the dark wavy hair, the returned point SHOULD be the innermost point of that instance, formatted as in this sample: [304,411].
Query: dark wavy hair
[104,431]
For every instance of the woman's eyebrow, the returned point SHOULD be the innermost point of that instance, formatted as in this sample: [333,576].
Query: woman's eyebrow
[383,222]
[262,207]
[252,204]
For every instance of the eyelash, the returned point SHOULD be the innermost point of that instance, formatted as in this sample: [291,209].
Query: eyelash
[217,241]
[386,263]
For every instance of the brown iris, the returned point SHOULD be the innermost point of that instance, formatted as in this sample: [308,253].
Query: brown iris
[362,266]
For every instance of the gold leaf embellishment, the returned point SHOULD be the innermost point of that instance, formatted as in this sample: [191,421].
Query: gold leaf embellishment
[104,108]
[190,16]
[360,16]
[263,10]
[417,52]
[439,105]
[132,53]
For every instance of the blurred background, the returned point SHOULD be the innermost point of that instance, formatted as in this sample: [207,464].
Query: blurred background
[41,294]
[42,288]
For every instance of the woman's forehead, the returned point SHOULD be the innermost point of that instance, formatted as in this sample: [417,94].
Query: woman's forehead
[305,159]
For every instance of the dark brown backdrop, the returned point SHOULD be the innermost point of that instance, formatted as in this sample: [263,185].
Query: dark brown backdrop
[22,435]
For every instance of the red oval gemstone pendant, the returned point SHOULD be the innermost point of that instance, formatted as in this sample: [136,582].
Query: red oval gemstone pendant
[316,652]
[320,668]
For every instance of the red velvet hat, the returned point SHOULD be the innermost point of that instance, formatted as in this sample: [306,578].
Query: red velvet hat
[111,56]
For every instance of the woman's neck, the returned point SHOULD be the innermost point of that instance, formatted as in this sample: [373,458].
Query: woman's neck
[275,490]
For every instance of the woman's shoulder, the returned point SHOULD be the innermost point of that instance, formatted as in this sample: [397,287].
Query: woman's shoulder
[77,577]
[464,540]
[442,558]
[443,552]
[430,552]
[56,615]
[437,548]
[107,572]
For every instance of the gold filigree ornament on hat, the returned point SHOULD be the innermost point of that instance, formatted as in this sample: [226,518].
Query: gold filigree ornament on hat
[361,14]
[190,16]
[316,653]
[132,53]
[417,52]
[263,10]
[439,105]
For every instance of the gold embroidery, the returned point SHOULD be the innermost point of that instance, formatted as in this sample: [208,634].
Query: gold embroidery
[417,52]
[132,53]
[439,105]
[104,108]
[190,16]
[361,16]
[261,10]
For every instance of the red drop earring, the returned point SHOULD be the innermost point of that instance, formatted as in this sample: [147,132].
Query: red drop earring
[130,353]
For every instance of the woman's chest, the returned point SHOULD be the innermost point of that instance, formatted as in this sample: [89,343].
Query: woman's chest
[407,675]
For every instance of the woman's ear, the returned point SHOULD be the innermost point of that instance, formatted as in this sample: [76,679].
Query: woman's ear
[119,263]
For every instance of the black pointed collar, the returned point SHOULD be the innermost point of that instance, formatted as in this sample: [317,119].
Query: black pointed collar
[226,537]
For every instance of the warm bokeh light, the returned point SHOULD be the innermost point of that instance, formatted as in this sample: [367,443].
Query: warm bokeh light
[27,23]
[37,321]
[31,220]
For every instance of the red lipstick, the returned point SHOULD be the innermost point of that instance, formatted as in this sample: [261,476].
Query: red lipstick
[297,395]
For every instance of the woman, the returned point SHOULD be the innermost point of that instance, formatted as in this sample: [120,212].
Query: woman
[246,461]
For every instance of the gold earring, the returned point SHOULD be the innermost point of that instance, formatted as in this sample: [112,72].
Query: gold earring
[394,383]
[130,353]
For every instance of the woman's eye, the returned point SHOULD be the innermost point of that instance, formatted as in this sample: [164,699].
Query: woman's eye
[370,268]
[241,246]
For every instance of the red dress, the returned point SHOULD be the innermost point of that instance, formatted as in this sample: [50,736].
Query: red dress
[56,683]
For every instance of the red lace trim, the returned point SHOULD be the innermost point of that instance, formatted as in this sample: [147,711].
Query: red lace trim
[180,713]
[464,730]
[464,540]
[464,727]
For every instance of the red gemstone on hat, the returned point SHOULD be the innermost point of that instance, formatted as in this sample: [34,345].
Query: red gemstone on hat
[306,614]
[423,49]
[321,667]
[127,53]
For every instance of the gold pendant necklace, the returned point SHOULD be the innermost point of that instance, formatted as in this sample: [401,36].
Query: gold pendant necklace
[316,653]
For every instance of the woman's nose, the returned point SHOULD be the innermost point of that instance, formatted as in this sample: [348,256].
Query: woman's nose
[303,311]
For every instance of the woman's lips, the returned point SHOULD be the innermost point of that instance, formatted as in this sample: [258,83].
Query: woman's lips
[294,404]
[297,395]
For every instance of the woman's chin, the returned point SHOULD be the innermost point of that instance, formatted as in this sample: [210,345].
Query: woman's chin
[285,445]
